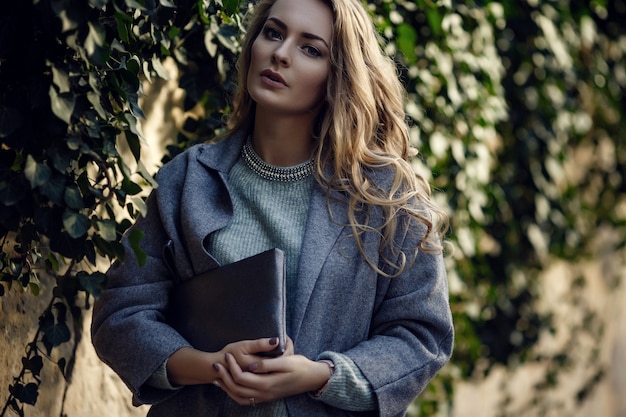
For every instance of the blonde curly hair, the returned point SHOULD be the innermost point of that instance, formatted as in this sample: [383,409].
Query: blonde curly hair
[360,128]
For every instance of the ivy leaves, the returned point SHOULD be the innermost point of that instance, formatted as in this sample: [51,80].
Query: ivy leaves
[71,78]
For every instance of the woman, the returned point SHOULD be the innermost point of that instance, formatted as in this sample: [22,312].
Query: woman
[315,163]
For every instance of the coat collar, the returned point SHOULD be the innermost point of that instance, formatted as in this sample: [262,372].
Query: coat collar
[226,154]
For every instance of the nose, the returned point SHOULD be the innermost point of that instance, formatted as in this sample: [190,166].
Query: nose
[280,55]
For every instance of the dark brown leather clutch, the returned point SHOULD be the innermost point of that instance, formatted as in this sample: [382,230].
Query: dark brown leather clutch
[243,300]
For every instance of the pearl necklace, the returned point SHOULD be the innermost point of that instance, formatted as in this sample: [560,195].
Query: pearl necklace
[272,172]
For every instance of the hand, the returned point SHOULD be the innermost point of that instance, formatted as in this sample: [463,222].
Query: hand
[189,366]
[247,352]
[269,379]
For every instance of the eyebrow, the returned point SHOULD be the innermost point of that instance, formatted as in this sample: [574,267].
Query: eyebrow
[307,35]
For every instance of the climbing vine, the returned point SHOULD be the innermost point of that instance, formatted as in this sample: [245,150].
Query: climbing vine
[71,78]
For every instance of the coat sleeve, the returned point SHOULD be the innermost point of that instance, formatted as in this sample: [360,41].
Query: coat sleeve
[411,334]
[128,328]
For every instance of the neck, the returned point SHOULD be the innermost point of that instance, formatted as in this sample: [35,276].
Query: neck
[283,141]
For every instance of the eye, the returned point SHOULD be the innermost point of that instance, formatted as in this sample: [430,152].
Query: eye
[271,33]
[311,50]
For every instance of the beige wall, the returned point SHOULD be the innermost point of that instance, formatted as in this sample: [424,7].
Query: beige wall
[607,398]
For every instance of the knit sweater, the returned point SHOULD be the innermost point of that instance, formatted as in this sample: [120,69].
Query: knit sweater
[269,214]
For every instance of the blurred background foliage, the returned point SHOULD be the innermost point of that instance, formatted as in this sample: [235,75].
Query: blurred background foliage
[515,107]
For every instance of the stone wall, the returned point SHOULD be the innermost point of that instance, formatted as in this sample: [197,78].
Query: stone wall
[94,391]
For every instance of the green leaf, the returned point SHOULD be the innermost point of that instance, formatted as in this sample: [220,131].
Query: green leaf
[98,4]
[104,248]
[34,288]
[134,4]
[231,6]
[133,67]
[435,18]
[143,171]
[133,103]
[122,30]
[229,37]
[167,3]
[159,68]
[75,224]
[15,267]
[108,148]
[92,283]
[107,229]
[129,187]
[202,12]
[95,44]
[133,143]
[94,99]
[140,204]
[24,279]
[407,39]
[54,262]
[60,160]
[38,174]
[209,43]
[73,198]
[62,104]
[64,11]
[73,143]
[54,188]
[61,79]
[134,238]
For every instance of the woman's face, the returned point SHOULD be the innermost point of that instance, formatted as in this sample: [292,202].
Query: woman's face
[290,58]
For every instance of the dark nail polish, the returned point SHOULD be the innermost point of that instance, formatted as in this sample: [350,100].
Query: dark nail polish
[253,367]
[273,340]
[216,367]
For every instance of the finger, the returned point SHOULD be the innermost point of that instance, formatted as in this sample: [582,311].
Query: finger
[289,348]
[269,365]
[264,345]
[252,347]
[239,393]
[238,376]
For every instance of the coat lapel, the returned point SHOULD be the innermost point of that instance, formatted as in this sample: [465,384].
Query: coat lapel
[321,233]
[208,198]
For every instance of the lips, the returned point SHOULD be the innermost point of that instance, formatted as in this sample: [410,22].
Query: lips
[273,77]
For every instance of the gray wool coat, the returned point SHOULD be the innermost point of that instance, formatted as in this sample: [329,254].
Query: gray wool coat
[398,331]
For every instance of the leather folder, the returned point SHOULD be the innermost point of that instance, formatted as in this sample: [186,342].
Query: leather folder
[243,300]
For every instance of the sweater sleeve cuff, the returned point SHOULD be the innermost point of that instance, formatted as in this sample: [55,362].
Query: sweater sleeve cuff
[160,380]
[347,389]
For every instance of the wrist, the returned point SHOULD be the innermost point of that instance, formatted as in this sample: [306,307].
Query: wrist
[189,366]
[331,370]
